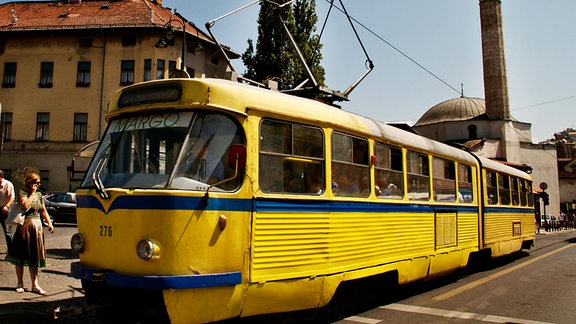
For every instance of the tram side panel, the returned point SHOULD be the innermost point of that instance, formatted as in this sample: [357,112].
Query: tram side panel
[508,210]
[316,247]
[506,230]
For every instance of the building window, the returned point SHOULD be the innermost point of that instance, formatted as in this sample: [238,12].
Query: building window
[80,127]
[171,68]
[160,69]
[46,74]
[45,179]
[42,125]
[127,73]
[147,69]
[9,80]
[7,126]
[472,132]
[83,77]
[128,41]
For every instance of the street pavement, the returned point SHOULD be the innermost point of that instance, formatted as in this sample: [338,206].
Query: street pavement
[65,300]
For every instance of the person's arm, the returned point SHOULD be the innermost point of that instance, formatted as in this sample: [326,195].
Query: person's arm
[10,201]
[44,214]
[26,202]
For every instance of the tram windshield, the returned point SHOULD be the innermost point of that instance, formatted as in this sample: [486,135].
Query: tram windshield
[172,150]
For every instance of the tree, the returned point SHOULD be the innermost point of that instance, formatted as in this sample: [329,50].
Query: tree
[20,174]
[305,20]
[274,57]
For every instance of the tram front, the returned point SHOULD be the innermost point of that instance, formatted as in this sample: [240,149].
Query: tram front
[163,224]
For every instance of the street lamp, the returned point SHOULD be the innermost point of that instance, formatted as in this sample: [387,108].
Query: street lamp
[168,37]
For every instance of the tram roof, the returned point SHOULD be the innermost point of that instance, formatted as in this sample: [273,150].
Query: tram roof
[321,114]
[242,98]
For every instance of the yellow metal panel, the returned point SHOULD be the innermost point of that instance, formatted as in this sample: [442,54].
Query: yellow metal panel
[190,242]
[295,245]
[283,296]
[501,231]
[467,230]
[203,305]
[445,230]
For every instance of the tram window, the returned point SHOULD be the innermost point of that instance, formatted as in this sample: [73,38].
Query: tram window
[465,192]
[504,189]
[276,137]
[143,151]
[444,180]
[526,196]
[515,191]
[388,172]
[291,158]
[491,188]
[350,170]
[529,193]
[205,159]
[418,176]
[523,193]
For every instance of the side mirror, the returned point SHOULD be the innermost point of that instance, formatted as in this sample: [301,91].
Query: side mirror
[237,155]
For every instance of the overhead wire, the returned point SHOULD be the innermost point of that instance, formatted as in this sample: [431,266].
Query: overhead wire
[544,103]
[332,5]
[392,46]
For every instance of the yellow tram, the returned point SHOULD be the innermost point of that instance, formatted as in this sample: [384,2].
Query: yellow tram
[209,199]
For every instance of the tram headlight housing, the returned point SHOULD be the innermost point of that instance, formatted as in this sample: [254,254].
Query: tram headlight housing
[148,249]
[77,243]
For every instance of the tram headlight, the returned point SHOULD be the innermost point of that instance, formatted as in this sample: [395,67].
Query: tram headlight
[77,243]
[147,249]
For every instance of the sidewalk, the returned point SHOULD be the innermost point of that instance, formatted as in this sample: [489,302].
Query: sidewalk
[65,299]
[542,231]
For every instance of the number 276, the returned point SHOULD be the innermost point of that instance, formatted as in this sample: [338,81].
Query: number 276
[105,230]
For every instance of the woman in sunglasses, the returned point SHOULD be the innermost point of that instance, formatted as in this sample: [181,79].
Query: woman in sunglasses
[28,243]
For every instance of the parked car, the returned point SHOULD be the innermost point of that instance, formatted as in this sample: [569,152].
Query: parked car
[61,206]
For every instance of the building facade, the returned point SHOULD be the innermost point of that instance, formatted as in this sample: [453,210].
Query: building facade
[463,122]
[60,62]
[565,142]
[486,127]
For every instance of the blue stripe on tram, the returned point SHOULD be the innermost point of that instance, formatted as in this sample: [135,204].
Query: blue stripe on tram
[79,271]
[273,205]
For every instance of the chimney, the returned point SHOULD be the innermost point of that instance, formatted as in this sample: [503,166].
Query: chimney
[495,81]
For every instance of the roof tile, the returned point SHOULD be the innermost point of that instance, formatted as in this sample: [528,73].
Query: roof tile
[87,14]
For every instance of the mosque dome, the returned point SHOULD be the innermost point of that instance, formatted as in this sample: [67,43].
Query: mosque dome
[457,109]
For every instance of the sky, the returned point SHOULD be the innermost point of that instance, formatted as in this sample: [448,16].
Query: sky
[426,51]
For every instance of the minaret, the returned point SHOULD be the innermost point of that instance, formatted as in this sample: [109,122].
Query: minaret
[495,82]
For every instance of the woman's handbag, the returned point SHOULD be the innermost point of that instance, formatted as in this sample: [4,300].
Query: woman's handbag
[15,214]
[15,217]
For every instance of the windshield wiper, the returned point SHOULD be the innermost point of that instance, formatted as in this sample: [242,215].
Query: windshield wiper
[96,177]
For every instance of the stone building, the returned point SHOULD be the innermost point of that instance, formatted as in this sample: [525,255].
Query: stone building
[486,127]
[565,142]
[60,61]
